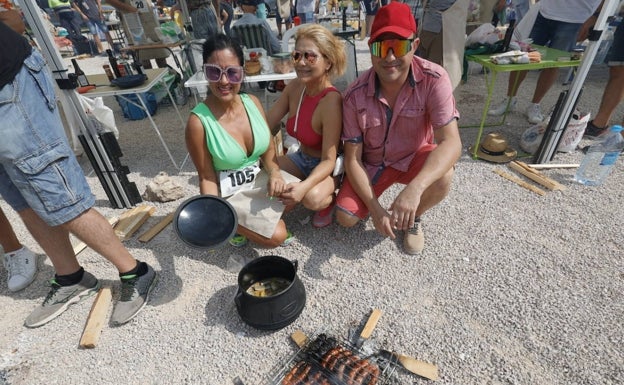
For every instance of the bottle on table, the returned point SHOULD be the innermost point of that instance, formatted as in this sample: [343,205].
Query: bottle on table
[113,63]
[600,158]
[80,75]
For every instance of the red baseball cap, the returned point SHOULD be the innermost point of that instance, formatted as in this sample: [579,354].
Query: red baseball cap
[395,17]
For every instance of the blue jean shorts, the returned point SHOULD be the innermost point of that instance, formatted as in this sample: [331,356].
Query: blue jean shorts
[304,162]
[615,56]
[554,34]
[38,168]
[96,27]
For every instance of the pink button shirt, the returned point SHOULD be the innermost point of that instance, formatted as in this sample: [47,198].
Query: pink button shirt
[392,138]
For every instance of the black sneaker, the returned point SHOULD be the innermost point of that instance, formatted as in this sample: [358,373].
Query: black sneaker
[135,291]
[60,297]
[593,131]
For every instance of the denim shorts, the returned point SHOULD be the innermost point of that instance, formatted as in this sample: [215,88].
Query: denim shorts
[554,34]
[304,162]
[615,56]
[38,168]
[96,26]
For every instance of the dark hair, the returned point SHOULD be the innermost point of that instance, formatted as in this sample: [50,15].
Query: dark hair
[221,42]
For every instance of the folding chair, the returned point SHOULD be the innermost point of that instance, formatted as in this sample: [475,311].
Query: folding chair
[253,36]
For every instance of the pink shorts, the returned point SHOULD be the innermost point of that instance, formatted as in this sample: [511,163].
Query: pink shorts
[348,200]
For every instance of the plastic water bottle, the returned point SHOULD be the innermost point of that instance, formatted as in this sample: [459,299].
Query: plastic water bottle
[600,158]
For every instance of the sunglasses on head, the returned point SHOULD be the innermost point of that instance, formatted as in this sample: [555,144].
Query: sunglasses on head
[234,74]
[309,56]
[400,47]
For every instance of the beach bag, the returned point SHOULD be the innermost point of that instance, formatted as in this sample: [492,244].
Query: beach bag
[572,135]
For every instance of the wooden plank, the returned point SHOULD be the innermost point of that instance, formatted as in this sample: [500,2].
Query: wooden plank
[133,221]
[80,246]
[96,318]
[371,323]
[540,178]
[533,176]
[519,182]
[157,228]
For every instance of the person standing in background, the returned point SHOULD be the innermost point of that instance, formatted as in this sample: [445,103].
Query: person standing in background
[68,18]
[556,26]
[613,93]
[91,13]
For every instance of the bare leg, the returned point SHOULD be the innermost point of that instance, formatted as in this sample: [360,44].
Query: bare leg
[611,97]
[91,228]
[545,80]
[279,236]
[8,239]
[515,78]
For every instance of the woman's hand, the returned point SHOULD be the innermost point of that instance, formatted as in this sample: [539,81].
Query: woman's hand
[276,184]
[293,194]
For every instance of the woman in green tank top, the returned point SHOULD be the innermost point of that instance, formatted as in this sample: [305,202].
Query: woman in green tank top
[227,138]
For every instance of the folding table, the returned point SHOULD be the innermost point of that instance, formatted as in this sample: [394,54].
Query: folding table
[553,58]
[154,77]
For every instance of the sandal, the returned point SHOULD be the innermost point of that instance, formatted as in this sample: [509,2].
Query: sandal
[324,217]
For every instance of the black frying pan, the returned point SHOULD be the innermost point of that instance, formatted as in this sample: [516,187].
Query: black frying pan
[205,221]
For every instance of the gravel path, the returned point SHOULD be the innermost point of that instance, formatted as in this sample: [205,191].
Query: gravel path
[512,288]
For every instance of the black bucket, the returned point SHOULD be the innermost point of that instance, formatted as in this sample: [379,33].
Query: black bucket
[275,310]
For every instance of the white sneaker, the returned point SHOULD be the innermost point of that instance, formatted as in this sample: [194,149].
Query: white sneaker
[500,108]
[534,113]
[21,267]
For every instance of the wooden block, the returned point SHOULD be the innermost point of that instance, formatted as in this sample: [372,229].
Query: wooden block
[81,245]
[371,323]
[157,228]
[299,338]
[96,318]
[132,220]
[519,182]
[535,176]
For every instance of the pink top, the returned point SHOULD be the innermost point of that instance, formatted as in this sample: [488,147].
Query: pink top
[392,138]
[305,133]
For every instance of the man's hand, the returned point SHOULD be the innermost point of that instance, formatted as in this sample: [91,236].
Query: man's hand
[404,208]
[383,222]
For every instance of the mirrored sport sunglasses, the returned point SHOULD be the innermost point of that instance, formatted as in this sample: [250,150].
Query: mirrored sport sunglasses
[400,47]
[214,73]
[310,57]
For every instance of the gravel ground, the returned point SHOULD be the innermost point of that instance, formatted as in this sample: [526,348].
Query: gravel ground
[512,288]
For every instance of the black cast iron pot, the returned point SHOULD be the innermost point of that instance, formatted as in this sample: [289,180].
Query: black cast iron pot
[275,311]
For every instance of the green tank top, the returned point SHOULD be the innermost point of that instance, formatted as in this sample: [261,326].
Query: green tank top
[227,154]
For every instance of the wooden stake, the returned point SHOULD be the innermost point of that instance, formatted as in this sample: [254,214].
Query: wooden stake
[519,182]
[536,176]
[132,220]
[545,166]
[157,228]
[96,318]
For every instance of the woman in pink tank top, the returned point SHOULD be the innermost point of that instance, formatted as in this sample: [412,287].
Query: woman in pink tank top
[313,107]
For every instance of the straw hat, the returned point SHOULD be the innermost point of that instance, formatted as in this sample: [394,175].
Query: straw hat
[494,148]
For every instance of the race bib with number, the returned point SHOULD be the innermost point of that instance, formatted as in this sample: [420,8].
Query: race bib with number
[233,181]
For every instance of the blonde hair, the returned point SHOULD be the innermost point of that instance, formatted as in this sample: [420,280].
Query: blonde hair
[330,46]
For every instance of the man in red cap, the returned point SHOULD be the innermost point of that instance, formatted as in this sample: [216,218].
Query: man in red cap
[399,126]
